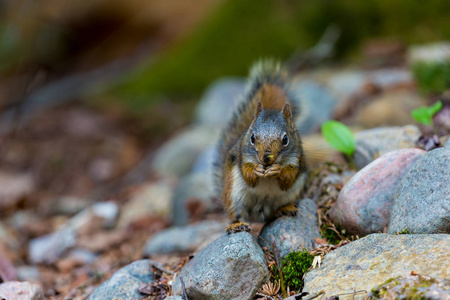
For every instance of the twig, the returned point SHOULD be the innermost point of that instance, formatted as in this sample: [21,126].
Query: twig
[276,254]
[353,293]
[184,288]
[266,296]
[319,52]
[315,295]
[160,267]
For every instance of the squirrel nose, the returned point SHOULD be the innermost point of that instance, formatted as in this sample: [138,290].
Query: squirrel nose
[268,158]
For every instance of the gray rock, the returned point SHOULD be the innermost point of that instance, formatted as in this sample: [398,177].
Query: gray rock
[429,53]
[108,211]
[218,102]
[345,84]
[154,199]
[372,143]
[68,205]
[177,156]
[447,144]
[387,78]
[232,267]
[101,215]
[28,273]
[412,287]
[125,282]
[14,187]
[372,260]
[441,121]
[48,248]
[194,187]
[364,203]
[423,201]
[174,298]
[182,239]
[390,109]
[293,233]
[317,105]
[21,291]
[82,255]
[204,162]
[24,219]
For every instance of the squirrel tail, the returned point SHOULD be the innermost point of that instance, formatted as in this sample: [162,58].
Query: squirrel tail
[269,83]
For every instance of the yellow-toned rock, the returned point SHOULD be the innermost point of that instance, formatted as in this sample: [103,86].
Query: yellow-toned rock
[372,260]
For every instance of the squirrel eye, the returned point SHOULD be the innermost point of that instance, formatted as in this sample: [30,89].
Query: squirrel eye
[285,140]
[252,139]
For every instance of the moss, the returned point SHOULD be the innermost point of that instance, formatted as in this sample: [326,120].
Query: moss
[404,231]
[432,77]
[411,287]
[238,33]
[295,265]
[330,235]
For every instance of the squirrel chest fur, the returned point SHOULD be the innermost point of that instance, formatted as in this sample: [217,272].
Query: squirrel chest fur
[261,167]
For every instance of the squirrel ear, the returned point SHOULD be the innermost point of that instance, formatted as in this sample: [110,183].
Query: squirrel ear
[258,108]
[287,110]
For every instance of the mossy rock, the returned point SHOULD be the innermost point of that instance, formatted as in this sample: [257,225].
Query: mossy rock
[414,287]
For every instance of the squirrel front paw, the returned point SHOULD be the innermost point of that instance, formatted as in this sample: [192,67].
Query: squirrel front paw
[273,171]
[238,227]
[259,171]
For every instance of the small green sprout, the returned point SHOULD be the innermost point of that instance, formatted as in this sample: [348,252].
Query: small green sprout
[424,114]
[270,156]
[339,136]
[404,231]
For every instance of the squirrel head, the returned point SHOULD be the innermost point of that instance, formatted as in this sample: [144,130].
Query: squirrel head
[272,135]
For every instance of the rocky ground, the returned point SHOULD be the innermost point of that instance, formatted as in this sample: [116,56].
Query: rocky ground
[151,227]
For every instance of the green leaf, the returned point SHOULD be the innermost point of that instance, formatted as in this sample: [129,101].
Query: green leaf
[421,115]
[435,108]
[339,136]
[425,114]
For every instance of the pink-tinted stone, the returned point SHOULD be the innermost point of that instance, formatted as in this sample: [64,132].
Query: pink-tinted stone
[21,291]
[365,202]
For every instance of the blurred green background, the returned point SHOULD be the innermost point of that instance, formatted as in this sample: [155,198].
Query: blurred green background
[154,58]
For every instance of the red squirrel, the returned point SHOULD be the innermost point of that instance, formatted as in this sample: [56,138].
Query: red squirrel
[261,167]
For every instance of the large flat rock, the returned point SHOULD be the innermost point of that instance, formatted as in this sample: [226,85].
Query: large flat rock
[372,260]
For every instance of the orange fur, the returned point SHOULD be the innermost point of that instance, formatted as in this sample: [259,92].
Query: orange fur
[228,185]
[272,97]
[288,176]
[248,173]
[289,210]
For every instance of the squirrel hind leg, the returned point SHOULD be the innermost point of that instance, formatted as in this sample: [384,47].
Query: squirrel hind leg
[238,226]
[288,210]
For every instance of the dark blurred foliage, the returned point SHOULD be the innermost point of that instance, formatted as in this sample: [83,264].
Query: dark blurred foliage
[240,32]
[165,53]
[432,78]
[73,34]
